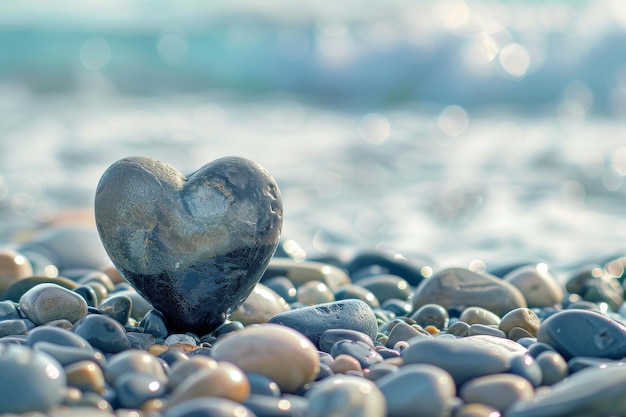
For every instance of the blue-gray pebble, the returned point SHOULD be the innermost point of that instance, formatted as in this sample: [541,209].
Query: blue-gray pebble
[103,333]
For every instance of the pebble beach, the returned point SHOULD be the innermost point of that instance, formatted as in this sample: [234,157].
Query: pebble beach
[433,229]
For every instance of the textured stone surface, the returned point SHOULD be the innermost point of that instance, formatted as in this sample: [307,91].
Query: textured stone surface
[193,246]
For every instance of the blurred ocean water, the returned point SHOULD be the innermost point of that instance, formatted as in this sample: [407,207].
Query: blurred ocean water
[463,130]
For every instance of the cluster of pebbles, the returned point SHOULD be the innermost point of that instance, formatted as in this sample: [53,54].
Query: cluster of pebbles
[376,335]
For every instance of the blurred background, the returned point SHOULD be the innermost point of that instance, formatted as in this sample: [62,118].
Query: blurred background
[460,130]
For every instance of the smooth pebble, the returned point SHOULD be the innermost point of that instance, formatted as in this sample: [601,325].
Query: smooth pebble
[261,304]
[345,396]
[47,302]
[498,391]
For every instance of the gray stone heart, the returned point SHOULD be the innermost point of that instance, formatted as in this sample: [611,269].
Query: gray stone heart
[193,246]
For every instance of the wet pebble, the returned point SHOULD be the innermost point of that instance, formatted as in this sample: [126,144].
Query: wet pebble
[103,333]
[459,329]
[180,371]
[314,292]
[391,262]
[478,315]
[133,390]
[57,336]
[266,348]
[539,286]
[361,351]
[431,315]
[525,366]
[331,336]
[386,286]
[47,302]
[134,361]
[118,307]
[498,391]
[86,376]
[208,407]
[13,267]
[357,292]
[261,304]
[312,321]
[344,363]
[285,406]
[16,290]
[67,355]
[301,272]
[401,332]
[345,396]
[524,318]
[283,287]
[553,367]
[482,329]
[262,385]
[153,322]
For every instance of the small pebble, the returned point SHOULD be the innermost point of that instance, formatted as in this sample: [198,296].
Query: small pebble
[314,292]
[13,267]
[283,287]
[86,376]
[331,336]
[357,292]
[103,333]
[390,262]
[386,286]
[117,307]
[133,390]
[431,315]
[344,363]
[401,332]
[498,391]
[459,329]
[262,385]
[345,396]
[178,338]
[478,315]
[261,304]
[525,366]
[553,367]
[518,333]
[208,407]
[16,290]
[482,329]
[285,406]
[47,302]
[57,336]
[135,361]
[540,287]
[182,370]
[153,323]
[302,272]
[476,410]
[361,351]
[14,327]
[67,355]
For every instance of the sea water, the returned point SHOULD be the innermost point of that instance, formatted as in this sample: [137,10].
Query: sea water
[458,131]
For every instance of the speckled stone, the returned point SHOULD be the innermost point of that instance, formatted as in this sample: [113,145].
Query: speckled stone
[210,235]
[103,333]
[590,392]
[463,361]
[261,304]
[226,381]
[553,367]
[431,315]
[86,376]
[458,288]
[498,391]
[312,321]
[182,370]
[386,286]
[345,396]
[479,315]
[47,302]
[135,361]
[540,288]
[331,336]
[583,333]
[418,389]
[524,318]
[29,380]
[13,267]
[208,407]
[266,348]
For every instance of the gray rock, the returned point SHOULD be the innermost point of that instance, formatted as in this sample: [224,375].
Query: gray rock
[135,389]
[345,396]
[385,286]
[194,246]
[48,302]
[540,288]
[213,407]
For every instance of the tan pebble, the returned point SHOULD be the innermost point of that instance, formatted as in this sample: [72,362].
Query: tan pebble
[13,267]
[301,272]
[432,329]
[47,302]
[498,390]
[517,333]
[153,404]
[157,349]
[315,292]
[476,410]
[113,273]
[479,315]
[539,287]
[280,353]
[397,361]
[401,345]
[226,381]
[85,375]
[181,370]
[344,363]
[183,347]
[261,304]
[520,317]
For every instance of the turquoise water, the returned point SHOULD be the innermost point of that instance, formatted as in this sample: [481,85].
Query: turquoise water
[460,130]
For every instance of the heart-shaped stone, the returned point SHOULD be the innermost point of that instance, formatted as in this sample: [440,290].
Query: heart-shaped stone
[193,246]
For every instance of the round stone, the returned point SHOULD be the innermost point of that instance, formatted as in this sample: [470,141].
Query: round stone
[117,307]
[262,385]
[345,395]
[312,321]
[103,333]
[458,288]
[344,363]
[266,349]
[180,371]
[498,391]
[261,304]
[522,317]
[423,390]
[386,286]
[135,361]
[134,390]
[314,292]
[13,267]
[86,376]
[29,381]
[47,302]
[553,367]
[401,332]
[283,287]
[478,315]
[194,246]
[431,315]
[540,288]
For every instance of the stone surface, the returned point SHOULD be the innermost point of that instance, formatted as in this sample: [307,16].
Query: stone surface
[331,336]
[499,391]
[13,267]
[29,380]
[194,246]
[385,286]
[285,406]
[583,333]
[431,315]
[15,291]
[458,288]
[479,315]
[418,389]
[118,307]
[391,262]
[540,287]
[278,352]
[86,376]
[553,367]
[133,390]
[345,396]
[102,333]
[48,302]
[302,272]
[261,304]
[135,361]
[314,292]
[361,351]
[354,291]
[312,321]
[67,355]
[521,317]
[208,407]
[182,370]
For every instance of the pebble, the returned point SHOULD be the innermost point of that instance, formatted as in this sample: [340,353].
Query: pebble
[13,267]
[590,392]
[459,329]
[178,338]
[265,348]
[285,406]
[521,317]
[180,371]
[312,321]
[283,287]
[431,315]
[525,366]
[499,391]
[134,361]
[314,292]
[29,380]
[225,381]
[353,291]
[482,329]
[262,385]
[345,396]
[553,367]
[361,351]
[133,390]
[386,286]
[458,288]
[301,272]
[391,262]
[215,233]
[476,410]
[540,287]
[14,327]
[478,315]
[331,336]
[16,290]
[103,333]
[48,302]
[418,389]
[344,363]
[140,307]
[208,407]
[118,307]
[153,323]
[261,304]
[518,333]
[463,361]
[57,336]
[86,376]
[603,337]
[401,332]
[88,294]
[67,355]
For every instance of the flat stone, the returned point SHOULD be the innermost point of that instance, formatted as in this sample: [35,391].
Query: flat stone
[194,246]
[540,288]
[48,302]
[418,389]
[278,352]
[29,381]
[499,391]
[583,333]
[9,310]
[312,321]
[261,304]
[225,381]
[213,407]
[463,361]
[479,315]
[458,288]
[346,396]
[590,392]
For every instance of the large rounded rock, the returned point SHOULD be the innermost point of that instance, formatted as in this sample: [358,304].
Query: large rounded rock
[194,246]
[278,352]
[458,288]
